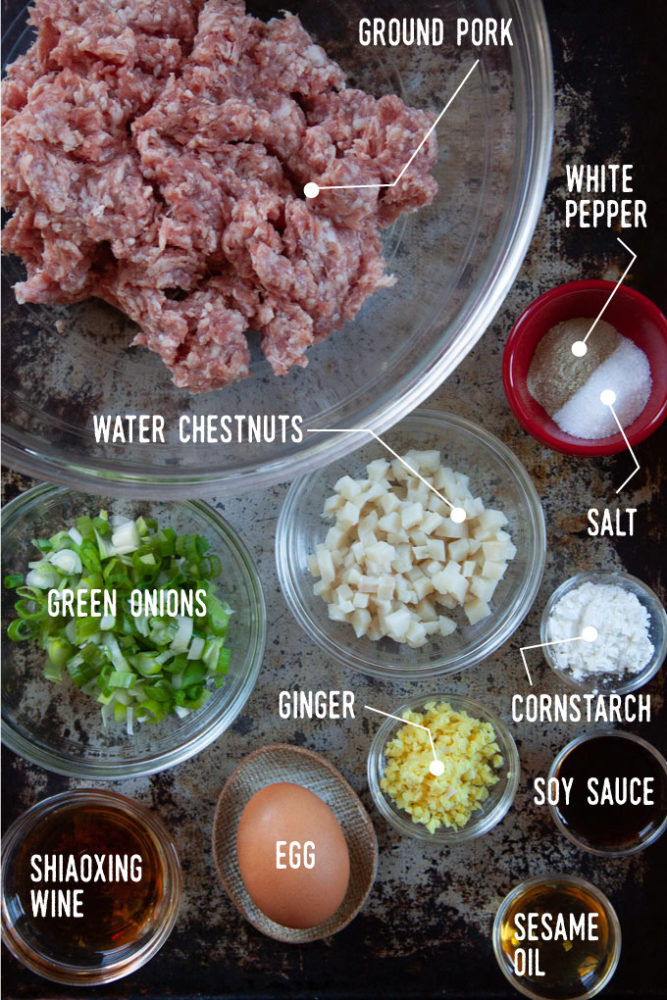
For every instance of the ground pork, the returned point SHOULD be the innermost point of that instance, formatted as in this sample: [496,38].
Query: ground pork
[155,157]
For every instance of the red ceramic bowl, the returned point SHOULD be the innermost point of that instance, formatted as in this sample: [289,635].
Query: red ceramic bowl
[632,314]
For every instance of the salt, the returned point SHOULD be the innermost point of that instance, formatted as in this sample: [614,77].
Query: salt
[627,372]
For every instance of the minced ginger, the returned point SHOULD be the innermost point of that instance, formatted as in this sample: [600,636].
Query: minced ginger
[471,756]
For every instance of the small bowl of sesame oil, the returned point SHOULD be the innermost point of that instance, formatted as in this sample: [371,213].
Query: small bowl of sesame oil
[557,937]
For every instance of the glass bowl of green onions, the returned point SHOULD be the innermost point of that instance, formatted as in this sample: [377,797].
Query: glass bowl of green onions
[132,631]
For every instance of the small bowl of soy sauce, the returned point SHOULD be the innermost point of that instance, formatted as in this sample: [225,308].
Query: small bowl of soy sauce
[617,799]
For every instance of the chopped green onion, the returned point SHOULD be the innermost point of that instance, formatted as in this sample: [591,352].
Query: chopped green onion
[59,651]
[139,667]
[43,577]
[20,629]
[43,544]
[181,640]
[122,679]
[30,609]
[81,672]
[219,614]
[53,671]
[67,561]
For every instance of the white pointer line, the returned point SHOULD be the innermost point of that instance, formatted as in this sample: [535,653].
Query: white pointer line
[637,466]
[338,187]
[556,642]
[407,723]
[458,514]
[615,288]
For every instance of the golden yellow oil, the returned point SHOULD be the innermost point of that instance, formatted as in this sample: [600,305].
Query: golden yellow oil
[557,969]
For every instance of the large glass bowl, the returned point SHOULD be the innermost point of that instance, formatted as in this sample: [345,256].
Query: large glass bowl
[495,475]
[59,727]
[454,261]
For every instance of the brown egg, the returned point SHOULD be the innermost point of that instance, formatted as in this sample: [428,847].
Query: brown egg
[292,855]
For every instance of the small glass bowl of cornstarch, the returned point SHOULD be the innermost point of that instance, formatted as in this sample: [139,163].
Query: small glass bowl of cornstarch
[604,632]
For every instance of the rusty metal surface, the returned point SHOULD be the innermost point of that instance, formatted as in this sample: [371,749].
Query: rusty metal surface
[425,931]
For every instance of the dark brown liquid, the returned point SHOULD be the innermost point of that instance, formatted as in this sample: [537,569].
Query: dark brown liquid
[116,913]
[565,969]
[611,826]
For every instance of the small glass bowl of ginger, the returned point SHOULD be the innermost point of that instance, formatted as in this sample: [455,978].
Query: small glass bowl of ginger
[468,735]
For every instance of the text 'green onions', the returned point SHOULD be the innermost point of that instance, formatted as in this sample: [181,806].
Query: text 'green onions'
[139,667]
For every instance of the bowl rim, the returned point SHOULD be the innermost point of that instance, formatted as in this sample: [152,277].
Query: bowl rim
[534,96]
[444,665]
[559,878]
[59,763]
[637,846]
[69,973]
[657,615]
[445,836]
[562,442]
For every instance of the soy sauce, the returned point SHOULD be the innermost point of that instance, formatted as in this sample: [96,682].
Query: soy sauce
[605,765]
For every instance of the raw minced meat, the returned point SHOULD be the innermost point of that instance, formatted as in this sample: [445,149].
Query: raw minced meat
[155,157]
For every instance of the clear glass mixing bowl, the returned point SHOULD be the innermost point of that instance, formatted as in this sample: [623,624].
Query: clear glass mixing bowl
[60,728]
[495,475]
[454,261]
